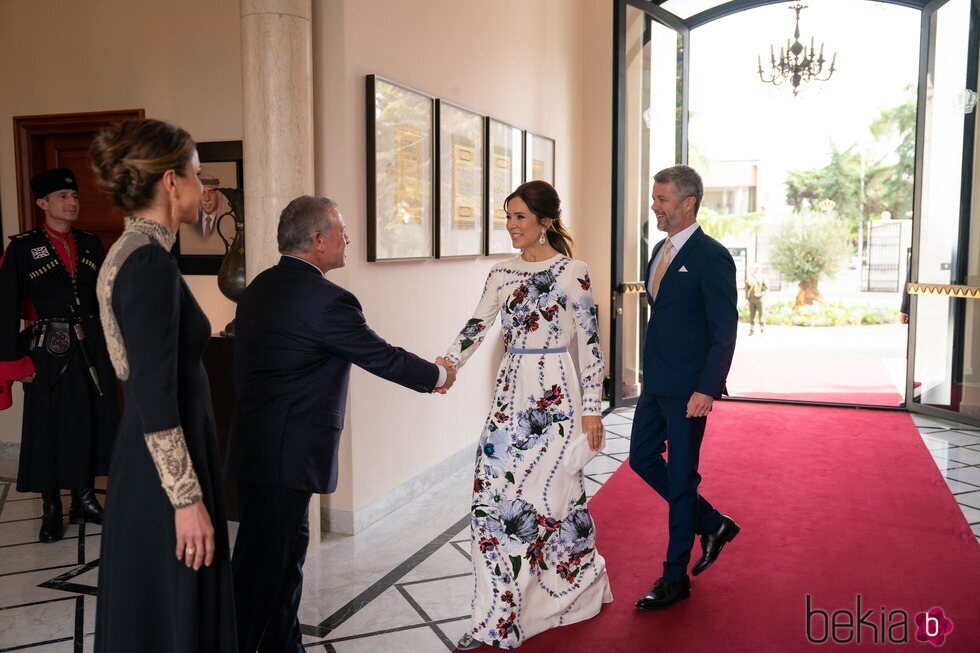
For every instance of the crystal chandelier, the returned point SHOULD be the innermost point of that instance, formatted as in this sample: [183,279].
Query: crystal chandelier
[795,64]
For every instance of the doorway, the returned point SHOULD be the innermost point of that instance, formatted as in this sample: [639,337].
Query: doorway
[62,141]
[851,348]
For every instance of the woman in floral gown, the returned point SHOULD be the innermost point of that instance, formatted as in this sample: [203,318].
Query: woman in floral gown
[533,540]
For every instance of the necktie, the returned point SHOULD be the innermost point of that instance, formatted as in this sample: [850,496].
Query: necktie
[658,276]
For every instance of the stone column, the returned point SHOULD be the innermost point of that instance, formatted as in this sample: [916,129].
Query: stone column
[277,88]
[277,102]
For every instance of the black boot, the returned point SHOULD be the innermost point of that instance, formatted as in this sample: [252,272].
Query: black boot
[52,526]
[84,507]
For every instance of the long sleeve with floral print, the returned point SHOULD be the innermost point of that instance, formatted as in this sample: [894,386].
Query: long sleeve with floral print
[544,307]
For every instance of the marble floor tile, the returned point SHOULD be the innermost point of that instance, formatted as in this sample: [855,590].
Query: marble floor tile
[956,487]
[59,555]
[952,437]
[972,514]
[26,532]
[37,623]
[389,610]
[455,629]
[62,647]
[602,464]
[21,510]
[20,589]
[341,568]
[622,430]
[934,445]
[600,477]
[616,446]
[89,578]
[21,532]
[964,455]
[934,422]
[415,640]
[945,464]
[446,561]
[443,599]
[966,475]
[971,499]
[612,419]
[591,487]
[88,625]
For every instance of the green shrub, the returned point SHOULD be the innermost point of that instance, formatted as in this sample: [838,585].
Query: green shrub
[822,314]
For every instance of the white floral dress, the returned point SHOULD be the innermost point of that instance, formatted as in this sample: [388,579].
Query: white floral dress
[532,538]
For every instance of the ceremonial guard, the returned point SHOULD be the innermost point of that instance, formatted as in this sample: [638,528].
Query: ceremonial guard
[47,277]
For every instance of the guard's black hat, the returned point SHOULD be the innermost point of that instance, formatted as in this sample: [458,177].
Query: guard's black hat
[52,180]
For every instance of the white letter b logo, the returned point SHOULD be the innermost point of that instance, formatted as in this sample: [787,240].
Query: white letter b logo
[931,629]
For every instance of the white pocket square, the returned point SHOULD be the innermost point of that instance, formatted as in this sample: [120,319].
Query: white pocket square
[683,269]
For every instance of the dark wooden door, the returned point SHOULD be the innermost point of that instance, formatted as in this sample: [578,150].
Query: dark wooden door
[62,140]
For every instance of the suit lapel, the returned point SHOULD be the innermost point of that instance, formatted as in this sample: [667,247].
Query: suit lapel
[678,261]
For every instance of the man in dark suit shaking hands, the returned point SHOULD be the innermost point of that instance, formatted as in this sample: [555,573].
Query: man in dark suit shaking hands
[689,347]
[296,336]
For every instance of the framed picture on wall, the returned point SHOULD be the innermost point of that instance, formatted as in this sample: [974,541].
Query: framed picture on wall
[539,158]
[505,156]
[400,167]
[460,228]
[201,247]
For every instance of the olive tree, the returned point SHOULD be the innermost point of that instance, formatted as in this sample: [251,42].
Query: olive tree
[808,247]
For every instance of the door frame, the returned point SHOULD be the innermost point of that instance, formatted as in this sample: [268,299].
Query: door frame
[960,270]
[621,286]
[26,131]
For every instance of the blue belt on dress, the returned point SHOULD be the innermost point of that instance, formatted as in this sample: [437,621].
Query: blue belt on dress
[557,350]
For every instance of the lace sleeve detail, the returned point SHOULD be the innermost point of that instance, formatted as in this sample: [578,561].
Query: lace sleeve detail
[173,462]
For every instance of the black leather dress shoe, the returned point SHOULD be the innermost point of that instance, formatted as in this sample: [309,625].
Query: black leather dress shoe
[52,526]
[713,543]
[665,593]
[84,507]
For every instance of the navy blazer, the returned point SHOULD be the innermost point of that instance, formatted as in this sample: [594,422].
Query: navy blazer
[296,336]
[691,333]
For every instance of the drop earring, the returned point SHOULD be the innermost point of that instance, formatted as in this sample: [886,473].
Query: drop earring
[541,238]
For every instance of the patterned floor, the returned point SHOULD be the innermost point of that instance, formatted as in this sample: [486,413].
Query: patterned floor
[402,584]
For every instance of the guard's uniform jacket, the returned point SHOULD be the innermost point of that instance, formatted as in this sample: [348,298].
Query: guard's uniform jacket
[70,409]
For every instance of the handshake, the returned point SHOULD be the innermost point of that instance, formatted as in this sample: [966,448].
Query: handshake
[450,375]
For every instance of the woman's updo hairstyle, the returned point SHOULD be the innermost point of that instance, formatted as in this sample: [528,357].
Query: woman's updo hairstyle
[130,157]
[543,201]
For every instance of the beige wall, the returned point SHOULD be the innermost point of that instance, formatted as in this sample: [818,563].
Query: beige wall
[178,60]
[544,66]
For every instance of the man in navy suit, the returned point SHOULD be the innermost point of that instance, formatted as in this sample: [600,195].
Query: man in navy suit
[296,336]
[688,351]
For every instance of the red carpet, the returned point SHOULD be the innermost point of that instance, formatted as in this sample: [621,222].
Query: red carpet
[833,503]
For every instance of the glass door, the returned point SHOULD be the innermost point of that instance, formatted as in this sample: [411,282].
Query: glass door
[651,92]
[944,350]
